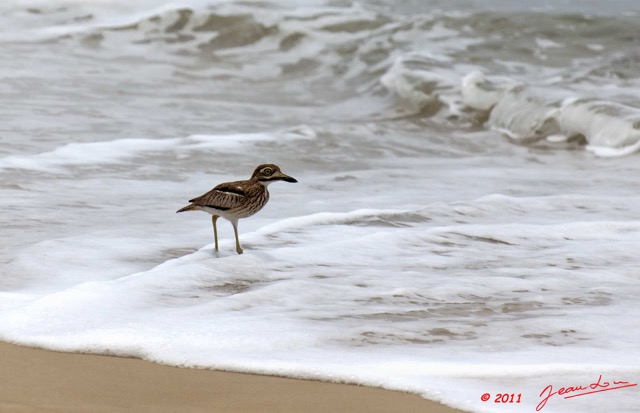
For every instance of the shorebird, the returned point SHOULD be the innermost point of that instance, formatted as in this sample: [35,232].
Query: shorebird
[238,199]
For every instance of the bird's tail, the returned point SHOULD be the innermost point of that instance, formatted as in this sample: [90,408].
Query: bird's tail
[192,207]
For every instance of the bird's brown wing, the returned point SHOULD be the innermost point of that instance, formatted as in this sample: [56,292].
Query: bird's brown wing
[229,195]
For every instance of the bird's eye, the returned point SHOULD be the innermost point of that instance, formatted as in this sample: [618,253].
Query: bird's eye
[267,171]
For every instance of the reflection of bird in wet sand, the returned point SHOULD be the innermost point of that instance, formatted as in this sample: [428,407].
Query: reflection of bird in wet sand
[240,199]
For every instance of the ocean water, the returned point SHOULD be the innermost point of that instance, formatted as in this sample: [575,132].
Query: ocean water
[465,222]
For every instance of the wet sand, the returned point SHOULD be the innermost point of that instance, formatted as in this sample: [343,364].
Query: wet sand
[34,380]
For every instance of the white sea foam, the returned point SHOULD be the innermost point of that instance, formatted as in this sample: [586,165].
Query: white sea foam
[313,292]
[92,153]
[610,128]
[479,93]
[607,125]
[121,151]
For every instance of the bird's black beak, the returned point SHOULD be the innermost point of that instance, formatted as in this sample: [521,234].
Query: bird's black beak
[286,178]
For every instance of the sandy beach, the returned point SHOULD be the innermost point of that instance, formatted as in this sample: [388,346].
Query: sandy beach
[35,380]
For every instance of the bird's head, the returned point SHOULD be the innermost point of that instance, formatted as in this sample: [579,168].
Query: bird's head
[267,173]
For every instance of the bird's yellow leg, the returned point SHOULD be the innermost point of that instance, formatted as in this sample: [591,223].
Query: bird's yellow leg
[235,230]
[214,218]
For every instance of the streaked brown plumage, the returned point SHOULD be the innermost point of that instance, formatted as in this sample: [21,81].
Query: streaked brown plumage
[239,199]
